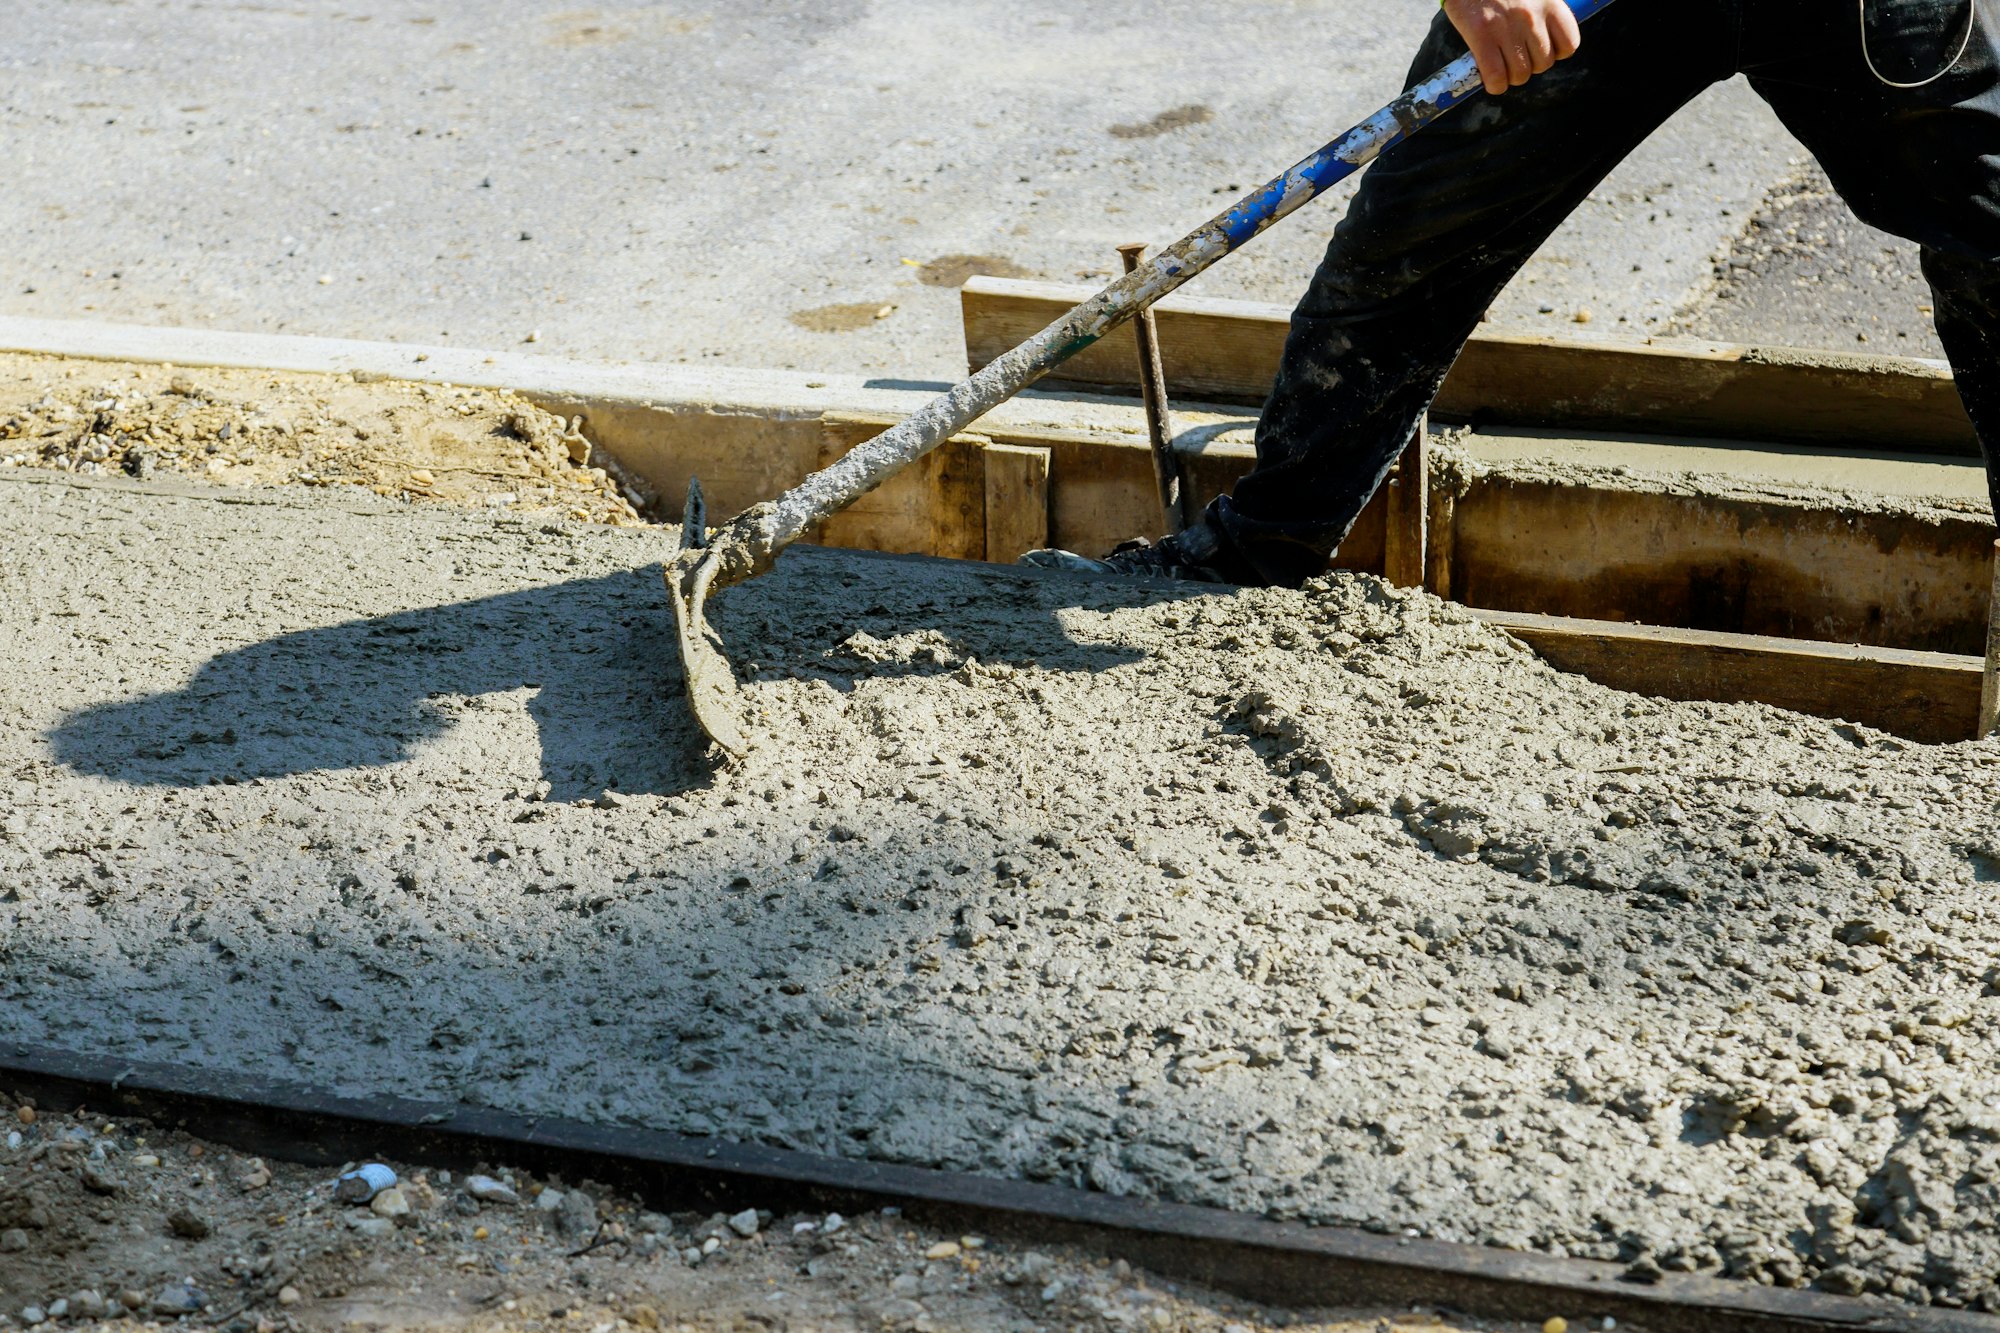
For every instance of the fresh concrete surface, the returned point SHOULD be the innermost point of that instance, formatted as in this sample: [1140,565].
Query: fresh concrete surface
[689,177]
[1879,477]
[1334,904]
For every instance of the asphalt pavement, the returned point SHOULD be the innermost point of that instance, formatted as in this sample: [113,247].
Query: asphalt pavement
[759,184]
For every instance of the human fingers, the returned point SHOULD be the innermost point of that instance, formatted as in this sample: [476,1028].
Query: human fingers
[1513,39]
[1490,52]
[1565,34]
[1531,38]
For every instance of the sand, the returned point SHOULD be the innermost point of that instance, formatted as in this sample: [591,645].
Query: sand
[421,443]
[1331,905]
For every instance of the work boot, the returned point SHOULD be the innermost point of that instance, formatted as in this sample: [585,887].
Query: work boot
[1194,556]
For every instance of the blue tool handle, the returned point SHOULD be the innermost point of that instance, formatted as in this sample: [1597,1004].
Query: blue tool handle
[763,531]
[1418,107]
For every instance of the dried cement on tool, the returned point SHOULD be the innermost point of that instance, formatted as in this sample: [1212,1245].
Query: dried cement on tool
[1333,904]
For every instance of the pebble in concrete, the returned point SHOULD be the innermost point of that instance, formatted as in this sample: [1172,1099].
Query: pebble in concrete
[576,1215]
[88,1303]
[188,1225]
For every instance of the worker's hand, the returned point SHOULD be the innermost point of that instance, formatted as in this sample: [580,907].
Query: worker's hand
[1514,40]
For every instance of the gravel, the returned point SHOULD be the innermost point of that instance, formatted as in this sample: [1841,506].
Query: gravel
[425,444]
[488,1190]
[179,1298]
[576,1216]
[273,1264]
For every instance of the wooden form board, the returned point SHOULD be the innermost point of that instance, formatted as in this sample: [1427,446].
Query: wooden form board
[1771,567]
[1406,497]
[1252,1257]
[980,498]
[1929,697]
[1017,500]
[1228,351]
[1081,491]
[1989,690]
[969,499]
[1672,556]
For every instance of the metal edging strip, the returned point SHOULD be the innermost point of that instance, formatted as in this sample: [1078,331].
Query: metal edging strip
[1274,1262]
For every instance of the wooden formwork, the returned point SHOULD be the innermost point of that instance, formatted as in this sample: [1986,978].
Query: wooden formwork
[1877,614]
[1807,599]
[1227,352]
[1096,490]
[1254,1257]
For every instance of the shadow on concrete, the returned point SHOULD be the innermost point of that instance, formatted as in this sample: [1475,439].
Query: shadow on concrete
[597,658]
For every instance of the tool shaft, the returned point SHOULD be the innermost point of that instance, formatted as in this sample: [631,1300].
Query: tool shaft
[1167,472]
[784,520]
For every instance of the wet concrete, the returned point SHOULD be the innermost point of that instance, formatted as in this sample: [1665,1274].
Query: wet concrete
[1805,272]
[1332,905]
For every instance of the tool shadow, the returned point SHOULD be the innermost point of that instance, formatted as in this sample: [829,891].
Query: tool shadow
[593,663]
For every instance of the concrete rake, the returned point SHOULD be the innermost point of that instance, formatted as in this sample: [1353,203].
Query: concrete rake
[751,542]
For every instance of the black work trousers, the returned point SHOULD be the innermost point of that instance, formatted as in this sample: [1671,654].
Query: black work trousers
[1442,221]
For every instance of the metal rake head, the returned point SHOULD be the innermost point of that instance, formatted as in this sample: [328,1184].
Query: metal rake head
[710,682]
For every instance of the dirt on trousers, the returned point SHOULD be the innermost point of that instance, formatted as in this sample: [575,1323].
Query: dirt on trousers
[1332,905]
[123,1225]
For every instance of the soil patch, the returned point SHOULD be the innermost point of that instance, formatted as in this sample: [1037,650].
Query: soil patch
[592,28]
[1806,272]
[1179,118]
[953,270]
[842,318]
[421,443]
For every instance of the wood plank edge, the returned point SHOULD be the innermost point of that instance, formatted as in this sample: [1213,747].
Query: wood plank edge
[1928,697]
[980,294]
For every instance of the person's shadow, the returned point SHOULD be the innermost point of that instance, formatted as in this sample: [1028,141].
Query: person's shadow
[596,658]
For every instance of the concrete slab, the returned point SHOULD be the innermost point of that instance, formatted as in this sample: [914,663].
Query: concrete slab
[1333,905]
[1806,272]
[672,182]
[1858,479]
